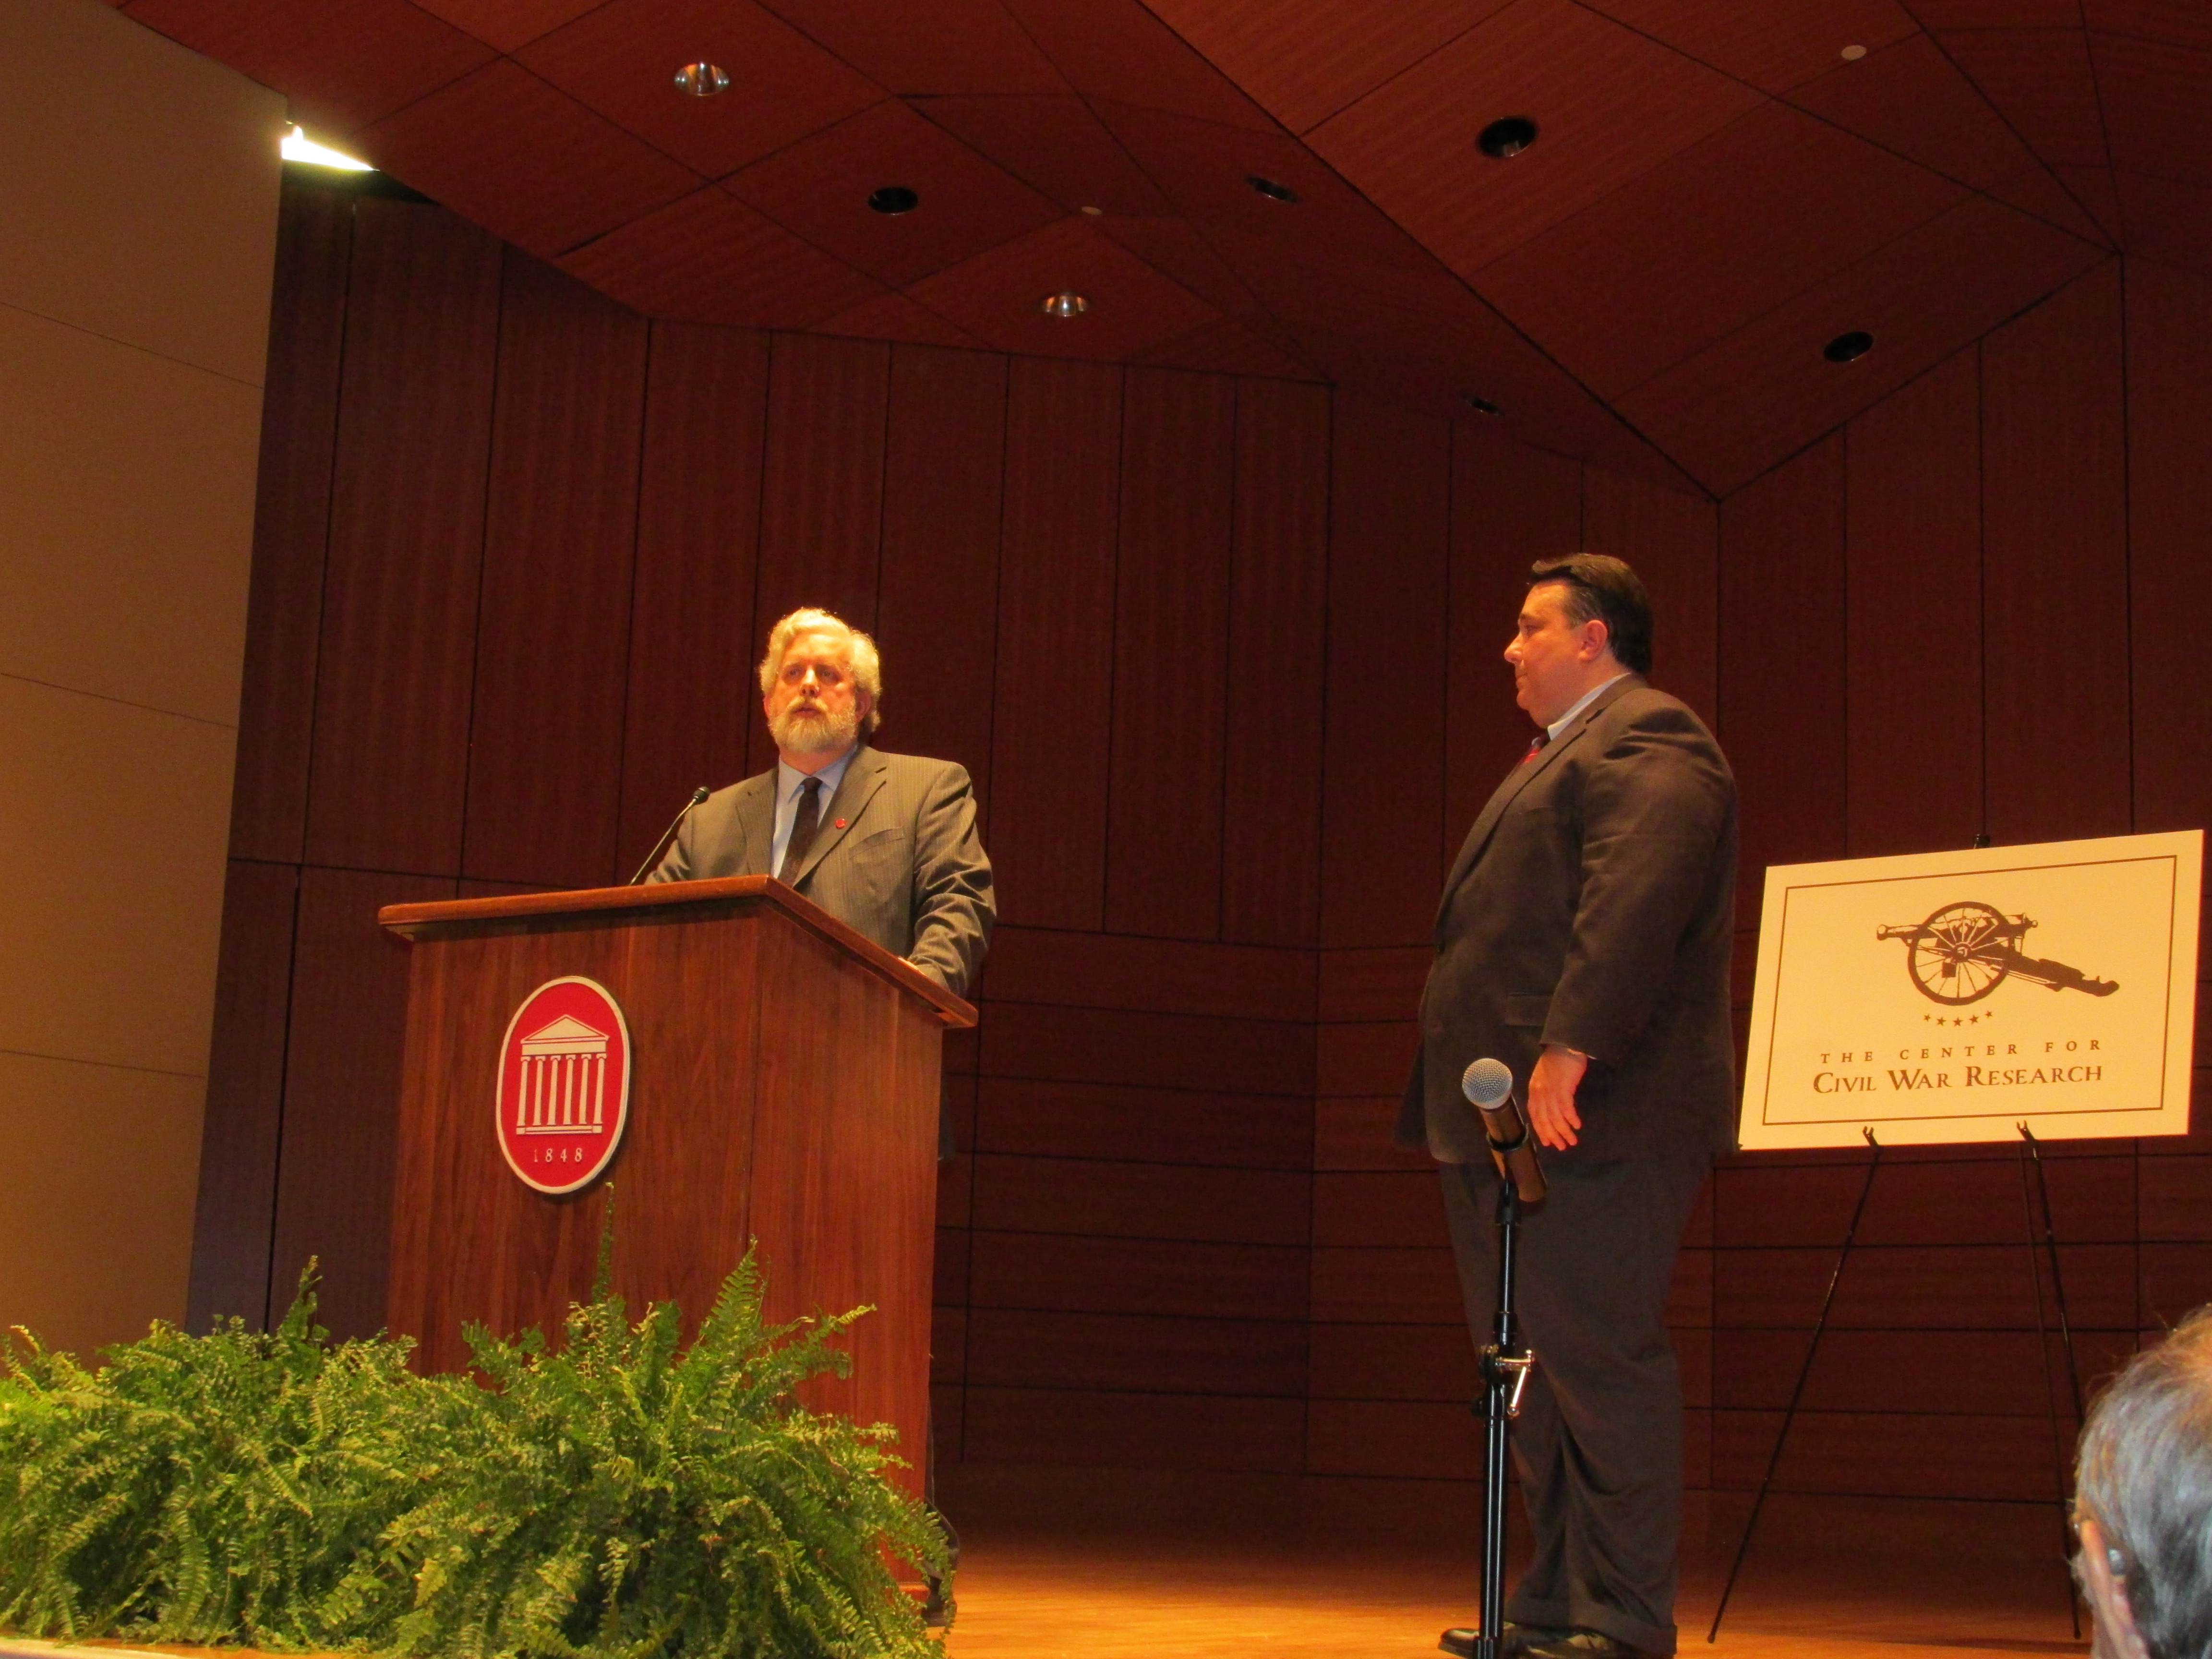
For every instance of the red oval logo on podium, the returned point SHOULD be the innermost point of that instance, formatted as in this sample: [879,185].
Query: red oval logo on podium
[564,1086]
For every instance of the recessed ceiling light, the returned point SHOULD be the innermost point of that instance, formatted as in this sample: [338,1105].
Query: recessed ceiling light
[1504,138]
[702,80]
[1065,304]
[1482,406]
[1852,54]
[1847,348]
[893,199]
[1270,189]
[298,147]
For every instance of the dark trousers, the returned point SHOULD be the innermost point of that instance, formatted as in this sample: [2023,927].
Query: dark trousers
[1599,1440]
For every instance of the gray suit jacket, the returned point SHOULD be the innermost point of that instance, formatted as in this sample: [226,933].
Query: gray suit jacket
[906,868]
[1593,905]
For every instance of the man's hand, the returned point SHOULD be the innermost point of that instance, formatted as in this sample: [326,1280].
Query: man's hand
[1552,1088]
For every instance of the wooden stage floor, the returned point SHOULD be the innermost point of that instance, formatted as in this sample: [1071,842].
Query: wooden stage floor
[1827,1579]
[1069,1564]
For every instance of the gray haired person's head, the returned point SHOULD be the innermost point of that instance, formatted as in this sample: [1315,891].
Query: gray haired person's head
[2144,1476]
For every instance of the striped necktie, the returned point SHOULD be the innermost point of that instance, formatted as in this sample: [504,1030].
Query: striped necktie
[804,822]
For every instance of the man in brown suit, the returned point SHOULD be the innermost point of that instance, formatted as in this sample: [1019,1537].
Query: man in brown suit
[1583,938]
[884,842]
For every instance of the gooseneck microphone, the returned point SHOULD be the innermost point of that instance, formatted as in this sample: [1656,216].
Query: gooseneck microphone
[1488,1085]
[667,835]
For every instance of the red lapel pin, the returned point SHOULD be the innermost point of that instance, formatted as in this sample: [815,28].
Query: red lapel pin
[840,823]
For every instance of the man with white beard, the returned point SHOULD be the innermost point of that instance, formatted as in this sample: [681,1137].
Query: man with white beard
[885,843]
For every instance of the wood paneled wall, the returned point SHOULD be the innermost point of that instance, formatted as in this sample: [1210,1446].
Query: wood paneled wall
[1223,656]
[516,556]
[1956,616]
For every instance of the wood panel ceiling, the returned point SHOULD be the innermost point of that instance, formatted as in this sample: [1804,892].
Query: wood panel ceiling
[1718,189]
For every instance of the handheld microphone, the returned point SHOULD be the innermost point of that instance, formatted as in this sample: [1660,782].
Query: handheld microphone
[1488,1086]
[667,835]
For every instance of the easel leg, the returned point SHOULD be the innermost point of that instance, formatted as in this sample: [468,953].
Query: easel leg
[2031,1156]
[1797,1393]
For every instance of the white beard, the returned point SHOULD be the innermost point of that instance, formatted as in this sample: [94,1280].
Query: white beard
[805,730]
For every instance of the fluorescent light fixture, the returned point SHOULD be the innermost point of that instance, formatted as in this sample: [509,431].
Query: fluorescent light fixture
[298,147]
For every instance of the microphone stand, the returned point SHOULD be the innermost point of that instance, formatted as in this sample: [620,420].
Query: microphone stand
[667,835]
[1506,1363]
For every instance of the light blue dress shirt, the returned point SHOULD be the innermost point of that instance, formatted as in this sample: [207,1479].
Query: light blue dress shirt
[788,782]
[1582,702]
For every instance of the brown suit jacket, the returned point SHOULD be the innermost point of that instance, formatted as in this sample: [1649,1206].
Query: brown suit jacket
[907,869]
[1593,905]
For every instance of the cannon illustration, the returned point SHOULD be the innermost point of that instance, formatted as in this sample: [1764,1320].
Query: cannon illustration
[1966,951]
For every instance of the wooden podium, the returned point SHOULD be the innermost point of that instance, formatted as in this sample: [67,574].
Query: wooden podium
[784,1077]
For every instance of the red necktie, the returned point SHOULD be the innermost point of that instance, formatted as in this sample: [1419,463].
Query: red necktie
[1535,746]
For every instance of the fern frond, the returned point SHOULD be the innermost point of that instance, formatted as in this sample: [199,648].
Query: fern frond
[622,1496]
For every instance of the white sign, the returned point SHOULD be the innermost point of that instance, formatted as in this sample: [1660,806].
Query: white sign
[1954,996]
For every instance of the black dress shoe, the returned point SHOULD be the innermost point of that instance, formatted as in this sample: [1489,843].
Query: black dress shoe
[1586,1644]
[937,1609]
[1518,1638]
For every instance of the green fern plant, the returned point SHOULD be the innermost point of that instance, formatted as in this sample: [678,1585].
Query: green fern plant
[624,1497]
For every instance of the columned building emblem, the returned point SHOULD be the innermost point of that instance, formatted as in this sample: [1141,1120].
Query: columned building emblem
[564,1086]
